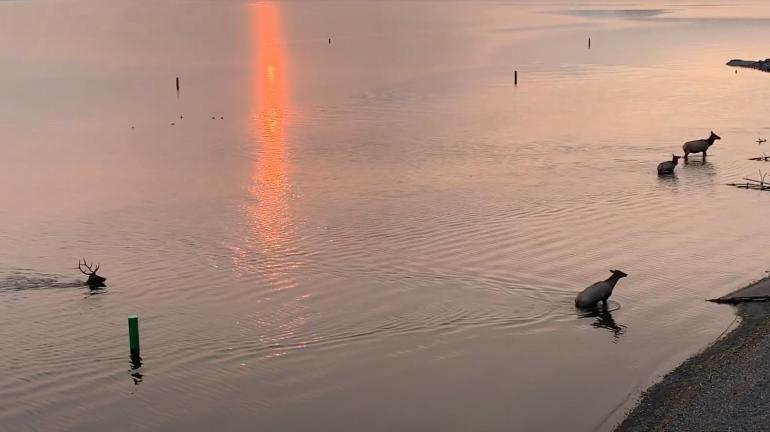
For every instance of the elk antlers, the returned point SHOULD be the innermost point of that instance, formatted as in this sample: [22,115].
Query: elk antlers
[94,280]
[91,271]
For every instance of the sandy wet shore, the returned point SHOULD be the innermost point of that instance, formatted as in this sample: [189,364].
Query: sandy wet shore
[724,388]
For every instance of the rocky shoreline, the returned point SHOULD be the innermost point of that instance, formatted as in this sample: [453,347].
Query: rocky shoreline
[724,388]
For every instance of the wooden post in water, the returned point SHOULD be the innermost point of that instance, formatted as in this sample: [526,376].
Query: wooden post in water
[515,77]
[133,334]
[589,43]
[177,85]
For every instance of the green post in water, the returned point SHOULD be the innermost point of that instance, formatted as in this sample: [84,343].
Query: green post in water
[133,333]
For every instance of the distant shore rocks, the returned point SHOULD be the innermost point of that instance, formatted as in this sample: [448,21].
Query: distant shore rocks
[763,65]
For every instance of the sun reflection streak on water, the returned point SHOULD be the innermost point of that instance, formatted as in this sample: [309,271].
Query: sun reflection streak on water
[265,248]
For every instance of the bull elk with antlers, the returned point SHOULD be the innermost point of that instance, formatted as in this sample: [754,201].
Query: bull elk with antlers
[94,280]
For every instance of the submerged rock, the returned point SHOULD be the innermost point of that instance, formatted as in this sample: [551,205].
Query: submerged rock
[763,65]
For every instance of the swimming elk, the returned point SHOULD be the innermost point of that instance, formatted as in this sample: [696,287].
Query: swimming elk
[598,292]
[667,167]
[94,280]
[699,146]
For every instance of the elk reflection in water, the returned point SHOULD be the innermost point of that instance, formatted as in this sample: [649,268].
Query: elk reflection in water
[603,319]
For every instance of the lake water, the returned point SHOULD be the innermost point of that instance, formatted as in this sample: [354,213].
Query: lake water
[375,232]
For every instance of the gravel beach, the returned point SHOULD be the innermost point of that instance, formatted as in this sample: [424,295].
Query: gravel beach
[724,388]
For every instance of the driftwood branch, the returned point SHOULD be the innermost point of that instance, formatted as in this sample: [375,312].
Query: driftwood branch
[754,186]
[735,300]
[752,180]
[752,183]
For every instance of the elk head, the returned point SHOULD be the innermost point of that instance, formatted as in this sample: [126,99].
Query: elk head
[94,280]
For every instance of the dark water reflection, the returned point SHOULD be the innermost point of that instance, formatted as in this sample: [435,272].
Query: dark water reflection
[93,291]
[698,161]
[603,319]
[136,368]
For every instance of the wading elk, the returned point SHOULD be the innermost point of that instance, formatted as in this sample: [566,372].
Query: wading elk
[598,292]
[699,146]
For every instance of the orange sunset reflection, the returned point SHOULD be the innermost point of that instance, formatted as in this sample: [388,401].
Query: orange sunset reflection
[269,221]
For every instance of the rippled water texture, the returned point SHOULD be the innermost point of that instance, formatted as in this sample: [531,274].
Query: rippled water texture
[349,218]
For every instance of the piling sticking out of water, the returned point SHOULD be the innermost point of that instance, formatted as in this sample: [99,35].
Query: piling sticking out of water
[515,77]
[177,85]
[589,43]
[133,334]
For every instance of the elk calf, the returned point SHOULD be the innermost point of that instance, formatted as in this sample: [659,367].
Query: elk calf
[667,167]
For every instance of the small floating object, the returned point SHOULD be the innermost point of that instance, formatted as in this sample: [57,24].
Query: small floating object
[760,141]
[173,124]
[221,118]
[181,116]
[213,118]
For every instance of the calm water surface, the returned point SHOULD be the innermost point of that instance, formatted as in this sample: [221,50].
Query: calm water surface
[381,233]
